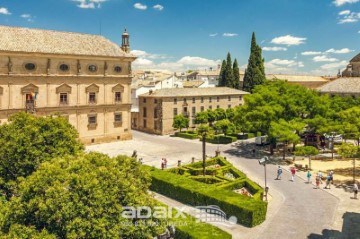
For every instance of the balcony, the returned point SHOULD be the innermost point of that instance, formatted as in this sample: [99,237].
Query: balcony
[30,106]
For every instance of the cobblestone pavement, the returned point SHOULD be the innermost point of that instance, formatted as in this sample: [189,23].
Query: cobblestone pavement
[296,210]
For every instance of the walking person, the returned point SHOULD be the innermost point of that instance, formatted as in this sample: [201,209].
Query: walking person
[328,180]
[162,164]
[320,176]
[331,174]
[165,162]
[355,189]
[293,171]
[308,175]
[317,181]
[279,172]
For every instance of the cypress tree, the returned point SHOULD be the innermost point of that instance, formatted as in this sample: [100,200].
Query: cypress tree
[236,73]
[222,78]
[255,72]
[229,72]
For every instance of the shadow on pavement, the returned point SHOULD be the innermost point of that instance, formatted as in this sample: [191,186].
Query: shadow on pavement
[252,151]
[350,229]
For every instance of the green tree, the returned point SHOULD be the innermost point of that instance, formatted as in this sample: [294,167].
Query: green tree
[347,150]
[222,76]
[220,114]
[307,151]
[211,116]
[27,140]
[201,118]
[283,132]
[236,74]
[83,197]
[224,126]
[180,122]
[229,74]
[255,71]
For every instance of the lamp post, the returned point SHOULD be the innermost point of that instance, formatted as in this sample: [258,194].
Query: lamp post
[263,161]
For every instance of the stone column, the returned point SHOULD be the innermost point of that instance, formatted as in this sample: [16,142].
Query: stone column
[10,101]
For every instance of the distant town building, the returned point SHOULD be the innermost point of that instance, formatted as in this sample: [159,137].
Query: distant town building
[311,82]
[353,68]
[344,86]
[85,78]
[157,109]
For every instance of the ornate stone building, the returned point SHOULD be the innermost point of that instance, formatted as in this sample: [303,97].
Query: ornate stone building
[85,78]
[353,68]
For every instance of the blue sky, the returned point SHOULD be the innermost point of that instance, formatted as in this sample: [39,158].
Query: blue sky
[298,36]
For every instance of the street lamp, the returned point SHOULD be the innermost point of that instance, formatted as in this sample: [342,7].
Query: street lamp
[263,161]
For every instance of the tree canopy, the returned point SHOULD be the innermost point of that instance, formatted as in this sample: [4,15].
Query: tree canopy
[26,141]
[180,122]
[255,71]
[229,73]
[81,196]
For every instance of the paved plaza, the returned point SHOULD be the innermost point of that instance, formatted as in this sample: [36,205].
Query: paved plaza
[296,209]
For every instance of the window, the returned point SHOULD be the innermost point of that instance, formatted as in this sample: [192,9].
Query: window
[63,98]
[155,113]
[210,99]
[92,68]
[193,111]
[92,119]
[117,117]
[30,66]
[144,123]
[64,67]
[184,100]
[202,109]
[202,99]
[229,106]
[155,101]
[175,101]
[218,106]
[229,98]
[92,98]
[218,99]
[210,107]
[117,96]
[240,97]
[193,100]
[144,112]
[175,112]
[144,100]
[117,69]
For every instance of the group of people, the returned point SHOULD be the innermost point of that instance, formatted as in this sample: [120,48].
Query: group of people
[163,163]
[318,178]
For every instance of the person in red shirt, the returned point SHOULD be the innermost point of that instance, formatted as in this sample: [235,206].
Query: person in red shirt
[293,171]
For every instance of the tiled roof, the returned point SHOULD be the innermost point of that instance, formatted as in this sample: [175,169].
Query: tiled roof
[186,92]
[192,83]
[343,85]
[356,58]
[296,78]
[16,39]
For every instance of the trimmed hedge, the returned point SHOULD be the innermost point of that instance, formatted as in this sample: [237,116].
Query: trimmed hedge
[186,135]
[249,211]
[221,139]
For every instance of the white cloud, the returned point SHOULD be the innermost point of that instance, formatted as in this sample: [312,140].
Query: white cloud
[144,54]
[339,3]
[275,48]
[310,53]
[288,40]
[213,35]
[324,59]
[340,51]
[4,11]
[358,31]
[227,34]
[345,12]
[28,17]
[89,4]
[142,62]
[158,7]
[283,66]
[336,65]
[140,6]
[350,17]
[197,61]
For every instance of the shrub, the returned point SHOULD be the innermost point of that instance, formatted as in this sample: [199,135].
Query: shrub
[221,139]
[249,211]
[186,135]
